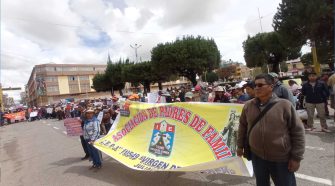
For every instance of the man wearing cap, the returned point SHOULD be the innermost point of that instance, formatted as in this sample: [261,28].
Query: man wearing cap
[210,94]
[91,134]
[241,95]
[280,90]
[188,97]
[315,93]
[219,95]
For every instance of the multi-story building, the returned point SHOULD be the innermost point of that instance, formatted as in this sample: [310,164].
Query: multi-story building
[295,67]
[241,71]
[50,83]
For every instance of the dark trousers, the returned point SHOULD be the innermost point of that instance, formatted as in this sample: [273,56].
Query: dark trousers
[84,144]
[94,153]
[278,171]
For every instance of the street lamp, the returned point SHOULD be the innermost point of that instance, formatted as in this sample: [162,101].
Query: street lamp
[135,48]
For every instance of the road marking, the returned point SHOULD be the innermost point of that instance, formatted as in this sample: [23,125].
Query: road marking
[56,128]
[64,132]
[314,148]
[49,124]
[314,179]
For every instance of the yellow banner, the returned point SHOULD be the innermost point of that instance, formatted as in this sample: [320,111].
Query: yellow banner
[177,137]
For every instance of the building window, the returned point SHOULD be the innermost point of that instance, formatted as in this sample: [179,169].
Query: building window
[101,69]
[74,88]
[49,69]
[93,68]
[38,69]
[85,87]
[86,69]
[84,78]
[53,69]
[72,78]
[294,65]
[51,79]
[52,89]
[69,69]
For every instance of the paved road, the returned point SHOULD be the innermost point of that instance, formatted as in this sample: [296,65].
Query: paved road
[39,153]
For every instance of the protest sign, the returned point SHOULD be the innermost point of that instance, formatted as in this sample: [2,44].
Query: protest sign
[100,116]
[18,116]
[73,126]
[49,110]
[33,114]
[177,137]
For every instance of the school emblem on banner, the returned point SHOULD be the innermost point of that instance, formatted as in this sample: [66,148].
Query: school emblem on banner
[162,139]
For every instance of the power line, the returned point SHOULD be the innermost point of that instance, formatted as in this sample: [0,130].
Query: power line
[76,26]
[103,30]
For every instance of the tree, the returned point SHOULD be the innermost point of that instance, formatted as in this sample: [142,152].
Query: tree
[307,59]
[186,57]
[114,75]
[210,77]
[100,83]
[283,66]
[301,22]
[227,72]
[267,48]
[139,73]
[162,63]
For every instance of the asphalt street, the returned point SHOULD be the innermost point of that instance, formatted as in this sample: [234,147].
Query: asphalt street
[40,153]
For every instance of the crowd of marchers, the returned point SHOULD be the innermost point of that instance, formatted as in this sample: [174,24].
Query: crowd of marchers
[273,141]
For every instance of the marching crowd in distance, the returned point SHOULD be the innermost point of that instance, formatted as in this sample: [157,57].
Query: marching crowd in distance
[312,93]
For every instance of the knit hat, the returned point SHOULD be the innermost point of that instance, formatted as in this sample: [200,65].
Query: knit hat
[273,74]
[188,95]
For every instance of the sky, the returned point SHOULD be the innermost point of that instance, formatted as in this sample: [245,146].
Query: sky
[84,31]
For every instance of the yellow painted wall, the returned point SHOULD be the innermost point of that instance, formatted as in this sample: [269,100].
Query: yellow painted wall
[63,83]
[79,84]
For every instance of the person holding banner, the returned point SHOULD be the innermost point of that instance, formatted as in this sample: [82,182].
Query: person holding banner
[276,139]
[91,133]
[82,117]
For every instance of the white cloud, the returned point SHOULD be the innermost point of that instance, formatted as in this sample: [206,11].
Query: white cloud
[84,31]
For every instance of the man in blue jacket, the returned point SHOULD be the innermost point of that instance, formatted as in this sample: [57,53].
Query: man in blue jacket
[91,134]
[315,93]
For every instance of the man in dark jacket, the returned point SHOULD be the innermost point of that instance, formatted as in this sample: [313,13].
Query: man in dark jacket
[280,90]
[277,140]
[315,93]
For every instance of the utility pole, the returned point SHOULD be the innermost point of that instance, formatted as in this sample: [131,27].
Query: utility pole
[260,20]
[135,48]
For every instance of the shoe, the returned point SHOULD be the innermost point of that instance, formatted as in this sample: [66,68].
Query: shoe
[97,168]
[310,129]
[85,157]
[93,167]
[325,130]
